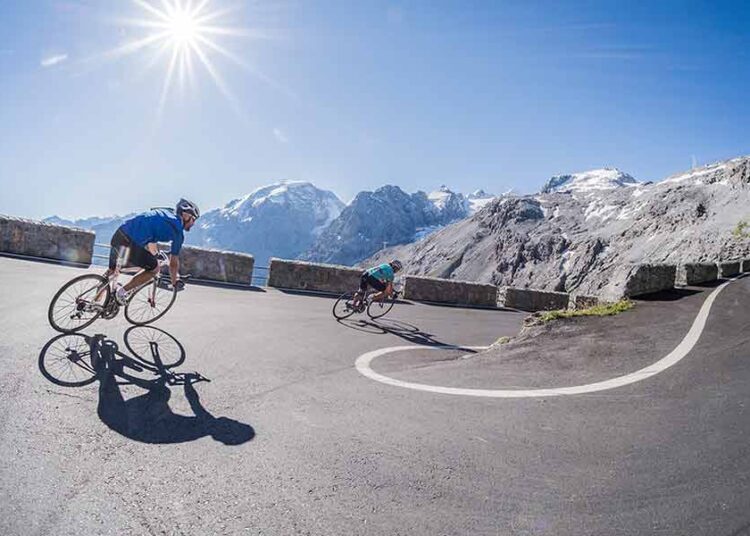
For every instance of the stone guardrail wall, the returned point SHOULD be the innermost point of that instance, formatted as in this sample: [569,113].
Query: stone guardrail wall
[533,300]
[37,239]
[695,274]
[217,265]
[299,275]
[638,279]
[449,291]
[729,269]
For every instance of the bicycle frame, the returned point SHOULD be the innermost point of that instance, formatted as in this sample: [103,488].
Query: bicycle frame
[112,277]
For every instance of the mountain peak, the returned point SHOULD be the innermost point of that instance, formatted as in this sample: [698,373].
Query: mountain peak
[588,181]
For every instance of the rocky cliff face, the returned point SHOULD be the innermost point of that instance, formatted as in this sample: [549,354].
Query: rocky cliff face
[581,227]
[387,216]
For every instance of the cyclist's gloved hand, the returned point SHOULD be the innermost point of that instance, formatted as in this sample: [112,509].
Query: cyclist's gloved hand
[179,285]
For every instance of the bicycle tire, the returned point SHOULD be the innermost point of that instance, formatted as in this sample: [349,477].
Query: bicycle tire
[141,345]
[342,302]
[385,307]
[140,297]
[54,316]
[64,364]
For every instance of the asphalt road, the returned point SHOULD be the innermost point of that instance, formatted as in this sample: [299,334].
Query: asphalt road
[289,438]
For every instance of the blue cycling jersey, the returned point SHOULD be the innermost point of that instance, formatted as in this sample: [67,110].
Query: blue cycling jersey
[383,273]
[156,226]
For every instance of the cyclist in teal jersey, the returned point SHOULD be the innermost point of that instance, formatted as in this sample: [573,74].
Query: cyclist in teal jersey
[380,278]
[136,239]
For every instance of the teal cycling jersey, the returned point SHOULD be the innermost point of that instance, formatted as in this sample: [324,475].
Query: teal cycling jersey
[383,273]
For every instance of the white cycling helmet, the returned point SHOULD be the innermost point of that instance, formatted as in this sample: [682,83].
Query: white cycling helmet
[396,265]
[183,205]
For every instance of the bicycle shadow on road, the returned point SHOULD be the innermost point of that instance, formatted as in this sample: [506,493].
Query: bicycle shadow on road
[75,360]
[399,328]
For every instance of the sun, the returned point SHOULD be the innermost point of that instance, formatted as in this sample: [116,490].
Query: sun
[184,28]
[185,34]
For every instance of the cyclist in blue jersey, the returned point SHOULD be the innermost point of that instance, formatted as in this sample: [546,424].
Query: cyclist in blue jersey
[380,278]
[136,239]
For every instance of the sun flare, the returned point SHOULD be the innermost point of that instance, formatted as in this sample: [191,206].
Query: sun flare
[184,32]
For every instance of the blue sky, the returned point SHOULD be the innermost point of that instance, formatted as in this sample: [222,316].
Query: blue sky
[354,95]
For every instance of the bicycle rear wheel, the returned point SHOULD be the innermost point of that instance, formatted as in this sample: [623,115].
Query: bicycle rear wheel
[378,309]
[78,303]
[66,360]
[344,308]
[149,303]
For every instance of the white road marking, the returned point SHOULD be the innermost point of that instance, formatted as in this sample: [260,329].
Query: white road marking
[686,345]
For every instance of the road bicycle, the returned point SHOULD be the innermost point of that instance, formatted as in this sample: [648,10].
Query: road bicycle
[76,359]
[83,299]
[344,306]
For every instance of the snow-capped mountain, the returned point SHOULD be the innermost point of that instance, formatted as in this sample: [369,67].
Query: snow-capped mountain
[384,217]
[581,227]
[589,181]
[281,220]
[479,199]
[292,219]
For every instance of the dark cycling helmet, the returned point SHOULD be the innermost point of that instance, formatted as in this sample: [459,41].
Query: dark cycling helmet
[191,208]
[396,265]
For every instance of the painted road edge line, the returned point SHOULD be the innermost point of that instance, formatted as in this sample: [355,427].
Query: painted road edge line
[362,364]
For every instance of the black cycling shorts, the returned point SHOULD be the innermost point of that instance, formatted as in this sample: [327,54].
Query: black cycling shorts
[136,255]
[374,282]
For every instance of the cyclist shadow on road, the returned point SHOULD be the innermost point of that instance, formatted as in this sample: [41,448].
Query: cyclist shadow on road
[399,328]
[76,360]
[149,419]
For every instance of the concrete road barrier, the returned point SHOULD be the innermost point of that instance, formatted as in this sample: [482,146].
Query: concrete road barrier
[729,269]
[298,275]
[533,300]
[638,279]
[37,239]
[696,273]
[449,291]
[217,265]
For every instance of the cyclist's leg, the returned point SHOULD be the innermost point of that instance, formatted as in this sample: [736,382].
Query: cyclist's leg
[118,249]
[360,294]
[379,286]
[140,256]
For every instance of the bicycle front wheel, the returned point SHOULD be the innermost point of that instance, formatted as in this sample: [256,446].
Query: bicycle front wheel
[78,303]
[154,347]
[149,303]
[378,309]
[344,306]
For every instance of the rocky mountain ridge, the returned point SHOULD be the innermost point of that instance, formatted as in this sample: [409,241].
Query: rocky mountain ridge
[579,228]
[386,216]
[290,219]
